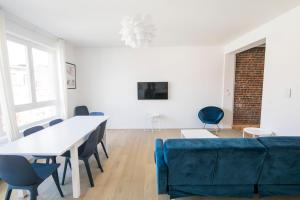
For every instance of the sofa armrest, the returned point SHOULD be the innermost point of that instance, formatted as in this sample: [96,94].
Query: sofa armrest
[161,168]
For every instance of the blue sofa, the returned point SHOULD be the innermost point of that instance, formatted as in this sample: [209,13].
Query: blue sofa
[231,167]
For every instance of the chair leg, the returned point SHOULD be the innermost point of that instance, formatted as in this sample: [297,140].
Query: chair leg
[53,160]
[8,193]
[96,154]
[103,146]
[218,128]
[69,162]
[33,193]
[65,170]
[88,170]
[35,160]
[47,161]
[204,125]
[56,180]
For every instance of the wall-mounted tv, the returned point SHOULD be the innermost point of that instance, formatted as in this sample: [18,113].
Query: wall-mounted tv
[152,90]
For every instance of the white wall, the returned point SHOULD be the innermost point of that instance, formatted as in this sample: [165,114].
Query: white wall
[108,79]
[73,94]
[228,89]
[282,69]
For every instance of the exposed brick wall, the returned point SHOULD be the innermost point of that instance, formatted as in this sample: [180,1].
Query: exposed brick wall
[248,86]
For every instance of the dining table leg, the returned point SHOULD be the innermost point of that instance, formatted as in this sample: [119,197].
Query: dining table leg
[75,171]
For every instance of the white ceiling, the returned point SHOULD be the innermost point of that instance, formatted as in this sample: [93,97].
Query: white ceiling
[178,22]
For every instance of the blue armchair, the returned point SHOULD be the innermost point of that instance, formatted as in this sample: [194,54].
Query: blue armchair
[211,115]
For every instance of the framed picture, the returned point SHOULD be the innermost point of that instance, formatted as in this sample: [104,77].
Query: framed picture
[71,75]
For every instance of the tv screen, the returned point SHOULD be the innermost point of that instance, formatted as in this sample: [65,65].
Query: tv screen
[152,90]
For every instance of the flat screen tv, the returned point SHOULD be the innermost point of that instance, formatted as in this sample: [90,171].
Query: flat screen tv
[152,90]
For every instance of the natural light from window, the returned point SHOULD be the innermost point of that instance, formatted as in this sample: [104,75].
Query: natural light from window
[33,81]
[19,71]
[43,74]
[30,116]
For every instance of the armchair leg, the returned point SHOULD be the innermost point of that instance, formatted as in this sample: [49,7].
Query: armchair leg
[218,128]
[204,125]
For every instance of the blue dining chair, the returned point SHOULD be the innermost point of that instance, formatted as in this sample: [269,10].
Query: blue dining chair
[211,115]
[81,111]
[97,114]
[35,129]
[31,130]
[18,173]
[85,151]
[55,121]
[100,138]
[84,111]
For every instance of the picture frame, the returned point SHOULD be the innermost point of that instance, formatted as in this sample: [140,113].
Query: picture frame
[71,75]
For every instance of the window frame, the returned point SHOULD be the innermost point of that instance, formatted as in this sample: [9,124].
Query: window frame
[30,45]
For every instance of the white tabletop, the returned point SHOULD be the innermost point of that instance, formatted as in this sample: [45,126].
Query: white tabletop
[54,140]
[197,133]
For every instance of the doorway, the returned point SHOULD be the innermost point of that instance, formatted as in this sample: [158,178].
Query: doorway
[248,87]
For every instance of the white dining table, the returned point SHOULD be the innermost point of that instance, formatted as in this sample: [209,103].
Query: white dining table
[55,140]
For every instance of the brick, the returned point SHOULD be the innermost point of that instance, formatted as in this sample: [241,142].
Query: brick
[248,86]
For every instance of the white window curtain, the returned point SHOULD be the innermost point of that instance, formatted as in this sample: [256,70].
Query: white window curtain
[63,92]
[6,98]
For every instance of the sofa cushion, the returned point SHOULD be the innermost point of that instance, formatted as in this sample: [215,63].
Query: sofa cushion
[239,162]
[282,163]
[219,161]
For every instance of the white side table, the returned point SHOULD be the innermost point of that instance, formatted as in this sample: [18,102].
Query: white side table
[257,132]
[154,119]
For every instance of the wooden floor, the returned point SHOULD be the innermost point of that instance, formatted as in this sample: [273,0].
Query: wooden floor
[129,173]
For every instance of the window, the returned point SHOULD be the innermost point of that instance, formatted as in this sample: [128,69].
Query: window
[43,73]
[19,72]
[33,81]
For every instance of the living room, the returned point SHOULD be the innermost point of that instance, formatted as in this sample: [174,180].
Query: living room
[210,88]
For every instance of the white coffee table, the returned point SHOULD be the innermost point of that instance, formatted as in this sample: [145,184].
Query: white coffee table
[197,133]
[257,132]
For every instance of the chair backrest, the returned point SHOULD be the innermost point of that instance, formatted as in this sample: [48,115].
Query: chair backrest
[55,121]
[81,111]
[220,161]
[17,171]
[97,113]
[31,130]
[211,114]
[101,131]
[91,144]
